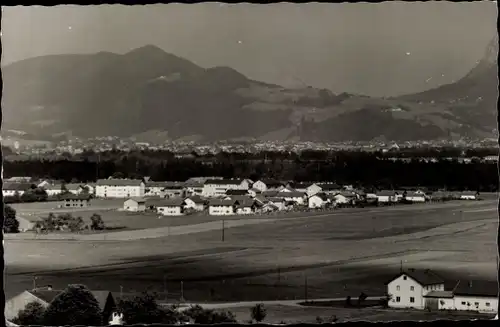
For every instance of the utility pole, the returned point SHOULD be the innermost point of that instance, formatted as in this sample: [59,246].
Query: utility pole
[182,291]
[121,292]
[305,286]
[165,286]
[34,282]
[223,230]
[401,266]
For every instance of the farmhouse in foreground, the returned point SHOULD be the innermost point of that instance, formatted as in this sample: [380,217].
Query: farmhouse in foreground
[424,289]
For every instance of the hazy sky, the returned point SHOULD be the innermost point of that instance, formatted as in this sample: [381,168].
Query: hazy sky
[375,49]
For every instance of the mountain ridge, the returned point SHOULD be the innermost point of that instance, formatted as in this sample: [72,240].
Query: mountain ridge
[149,89]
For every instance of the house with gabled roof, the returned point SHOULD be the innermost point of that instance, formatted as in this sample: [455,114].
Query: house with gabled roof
[135,204]
[169,207]
[195,202]
[387,196]
[220,207]
[408,288]
[293,196]
[318,200]
[10,189]
[245,207]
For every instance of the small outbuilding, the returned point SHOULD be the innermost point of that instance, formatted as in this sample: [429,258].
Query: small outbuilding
[135,204]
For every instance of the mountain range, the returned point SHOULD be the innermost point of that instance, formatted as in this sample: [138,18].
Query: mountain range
[148,93]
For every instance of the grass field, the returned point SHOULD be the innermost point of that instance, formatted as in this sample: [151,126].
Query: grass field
[340,253]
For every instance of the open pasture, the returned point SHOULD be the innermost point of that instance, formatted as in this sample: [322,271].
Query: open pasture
[340,253]
[293,314]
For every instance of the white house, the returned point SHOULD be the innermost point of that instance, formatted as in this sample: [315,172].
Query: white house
[195,203]
[469,196]
[154,188]
[279,203]
[293,196]
[313,189]
[170,207]
[74,188]
[245,207]
[135,204]
[267,184]
[10,189]
[415,197]
[54,189]
[120,188]
[318,200]
[387,197]
[343,198]
[219,187]
[408,288]
[219,207]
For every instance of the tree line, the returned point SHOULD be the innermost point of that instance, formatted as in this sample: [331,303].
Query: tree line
[76,305]
[353,168]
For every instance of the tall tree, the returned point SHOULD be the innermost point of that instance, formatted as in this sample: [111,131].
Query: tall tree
[74,306]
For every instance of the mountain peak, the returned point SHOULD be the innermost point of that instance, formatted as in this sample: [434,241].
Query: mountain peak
[147,49]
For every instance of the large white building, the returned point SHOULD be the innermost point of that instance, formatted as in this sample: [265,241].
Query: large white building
[219,187]
[120,188]
[425,290]
[409,288]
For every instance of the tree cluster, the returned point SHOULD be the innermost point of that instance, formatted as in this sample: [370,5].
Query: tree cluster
[10,223]
[67,222]
[77,306]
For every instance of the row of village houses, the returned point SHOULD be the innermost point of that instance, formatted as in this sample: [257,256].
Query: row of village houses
[217,187]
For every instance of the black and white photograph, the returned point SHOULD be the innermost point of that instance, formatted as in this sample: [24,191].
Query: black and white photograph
[244,163]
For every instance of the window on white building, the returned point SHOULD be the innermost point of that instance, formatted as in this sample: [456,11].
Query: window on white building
[404,277]
[398,288]
[463,302]
[412,299]
[398,299]
[476,303]
[487,304]
[412,288]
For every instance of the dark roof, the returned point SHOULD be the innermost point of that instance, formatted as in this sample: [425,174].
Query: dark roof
[17,186]
[272,182]
[137,199]
[236,192]
[219,202]
[245,204]
[476,288]
[176,202]
[119,182]
[49,295]
[293,194]
[469,193]
[346,194]
[224,181]
[275,199]
[71,196]
[269,193]
[440,294]
[197,199]
[322,196]
[73,186]
[414,194]
[386,193]
[423,277]
[299,185]
[329,186]
[165,184]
